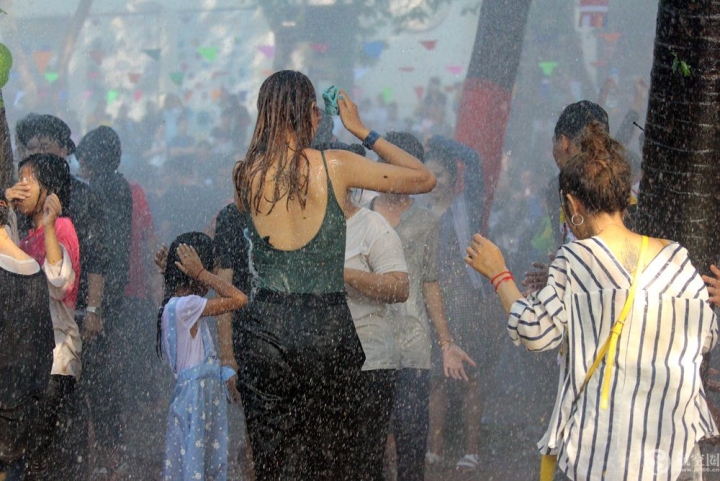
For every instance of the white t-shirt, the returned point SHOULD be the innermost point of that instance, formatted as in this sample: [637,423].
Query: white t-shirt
[373,246]
[190,350]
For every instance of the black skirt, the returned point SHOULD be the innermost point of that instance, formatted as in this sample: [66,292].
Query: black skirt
[300,360]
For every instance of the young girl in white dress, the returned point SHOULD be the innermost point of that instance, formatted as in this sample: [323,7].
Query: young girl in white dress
[197,432]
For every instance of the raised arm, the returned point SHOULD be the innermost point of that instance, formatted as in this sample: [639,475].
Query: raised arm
[403,174]
[230,298]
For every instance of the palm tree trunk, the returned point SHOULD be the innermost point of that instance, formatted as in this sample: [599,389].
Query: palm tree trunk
[6,153]
[487,91]
[680,191]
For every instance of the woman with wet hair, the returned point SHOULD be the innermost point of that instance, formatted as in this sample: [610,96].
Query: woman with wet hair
[632,317]
[300,355]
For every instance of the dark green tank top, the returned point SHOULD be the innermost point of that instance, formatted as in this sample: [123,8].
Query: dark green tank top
[315,268]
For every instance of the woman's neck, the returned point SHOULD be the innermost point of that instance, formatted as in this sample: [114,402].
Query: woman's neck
[600,223]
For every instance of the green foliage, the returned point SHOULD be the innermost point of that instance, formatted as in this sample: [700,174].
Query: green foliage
[679,66]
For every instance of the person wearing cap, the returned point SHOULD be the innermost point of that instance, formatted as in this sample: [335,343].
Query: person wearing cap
[37,133]
[99,154]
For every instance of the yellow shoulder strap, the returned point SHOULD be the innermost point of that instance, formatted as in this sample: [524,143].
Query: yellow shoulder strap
[610,345]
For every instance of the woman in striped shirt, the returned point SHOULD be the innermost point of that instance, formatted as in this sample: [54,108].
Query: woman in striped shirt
[656,410]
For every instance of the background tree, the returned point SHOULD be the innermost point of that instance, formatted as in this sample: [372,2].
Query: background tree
[487,91]
[342,26]
[680,190]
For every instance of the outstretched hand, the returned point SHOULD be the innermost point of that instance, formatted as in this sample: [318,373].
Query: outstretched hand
[713,286]
[453,359]
[536,278]
[485,257]
[161,258]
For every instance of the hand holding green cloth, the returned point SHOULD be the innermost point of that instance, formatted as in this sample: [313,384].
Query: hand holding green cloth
[330,97]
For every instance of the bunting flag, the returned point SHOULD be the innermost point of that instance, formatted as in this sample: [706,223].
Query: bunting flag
[217,74]
[406,69]
[134,77]
[112,95]
[388,94]
[360,72]
[93,75]
[373,49]
[188,95]
[87,94]
[242,95]
[598,63]
[419,91]
[454,69]
[51,77]
[208,53]
[42,59]
[267,50]
[610,37]
[320,47]
[184,66]
[216,94]
[428,44]
[153,53]
[547,67]
[593,13]
[177,78]
[97,55]
[137,95]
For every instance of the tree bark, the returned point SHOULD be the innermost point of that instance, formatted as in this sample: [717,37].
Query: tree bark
[68,50]
[679,192]
[487,91]
[6,153]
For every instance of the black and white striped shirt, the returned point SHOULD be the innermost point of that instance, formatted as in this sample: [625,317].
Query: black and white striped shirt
[657,408]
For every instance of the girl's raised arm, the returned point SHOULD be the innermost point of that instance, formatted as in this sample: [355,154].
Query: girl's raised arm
[230,297]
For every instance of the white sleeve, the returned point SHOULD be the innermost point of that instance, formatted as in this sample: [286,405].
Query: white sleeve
[61,276]
[188,310]
[386,250]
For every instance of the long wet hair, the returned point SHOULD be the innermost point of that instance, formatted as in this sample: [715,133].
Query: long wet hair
[599,176]
[53,174]
[285,106]
[174,277]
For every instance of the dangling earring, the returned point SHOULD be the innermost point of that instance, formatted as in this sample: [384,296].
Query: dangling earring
[577,223]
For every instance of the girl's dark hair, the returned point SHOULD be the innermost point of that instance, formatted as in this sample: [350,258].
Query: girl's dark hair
[408,142]
[175,279]
[575,117]
[52,173]
[4,209]
[599,176]
[285,106]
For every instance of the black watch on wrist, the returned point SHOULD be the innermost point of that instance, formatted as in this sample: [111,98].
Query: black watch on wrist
[370,140]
